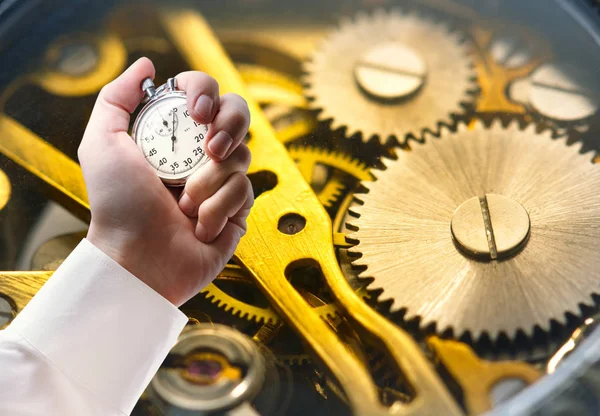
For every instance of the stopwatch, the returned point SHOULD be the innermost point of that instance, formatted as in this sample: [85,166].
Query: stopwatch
[171,141]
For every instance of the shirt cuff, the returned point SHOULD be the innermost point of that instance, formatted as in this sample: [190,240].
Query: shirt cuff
[101,326]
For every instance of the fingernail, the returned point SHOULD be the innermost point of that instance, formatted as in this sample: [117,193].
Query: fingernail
[220,144]
[204,107]
[187,206]
[201,232]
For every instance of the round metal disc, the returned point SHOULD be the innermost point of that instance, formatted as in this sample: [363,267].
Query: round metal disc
[407,245]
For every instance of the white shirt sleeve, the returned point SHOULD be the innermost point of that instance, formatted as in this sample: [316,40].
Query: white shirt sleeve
[88,343]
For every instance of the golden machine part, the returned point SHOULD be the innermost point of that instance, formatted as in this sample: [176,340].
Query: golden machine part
[82,65]
[289,196]
[5,189]
[309,158]
[476,377]
[268,86]
[245,310]
[290,123]
[391,74]
[561,92]
[500,59]
[19,287]
[62,174]
[211,368]
[486,231]
[577,337]
[329,186]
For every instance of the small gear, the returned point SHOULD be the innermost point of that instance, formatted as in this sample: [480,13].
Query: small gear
[391,74]
[247,310]
[484,232]
[314,164]
[268,86]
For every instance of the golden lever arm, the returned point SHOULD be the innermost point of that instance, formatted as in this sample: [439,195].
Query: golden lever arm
[313,245]
[47,163]
[19,287]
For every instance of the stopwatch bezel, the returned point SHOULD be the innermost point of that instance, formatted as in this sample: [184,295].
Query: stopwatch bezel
[177,180]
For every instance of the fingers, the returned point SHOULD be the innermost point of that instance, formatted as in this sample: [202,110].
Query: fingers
[229,127]
[232,201]
[202,92]
[206,181]
[118,99]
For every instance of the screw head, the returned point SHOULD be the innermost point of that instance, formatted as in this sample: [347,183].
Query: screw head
[563,92]
[390,71]
[490,228]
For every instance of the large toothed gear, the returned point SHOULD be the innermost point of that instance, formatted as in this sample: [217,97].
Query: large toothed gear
[484,231]
[391,74]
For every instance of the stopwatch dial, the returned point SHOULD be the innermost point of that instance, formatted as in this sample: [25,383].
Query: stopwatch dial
[172,142]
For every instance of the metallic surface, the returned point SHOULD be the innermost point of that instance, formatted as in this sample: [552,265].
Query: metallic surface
[238,371]
[449,78]
[292,195]
[559,91]
[154,98]
[476,377]
[495,73]
[570,390]
[576,339]
[266,50]
[111,62]
[406,244]
[491,227]
[5,189]
[19,287]
[61,173]
[390,71]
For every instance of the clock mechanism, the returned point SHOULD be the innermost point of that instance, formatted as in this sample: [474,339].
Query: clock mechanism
[425,172]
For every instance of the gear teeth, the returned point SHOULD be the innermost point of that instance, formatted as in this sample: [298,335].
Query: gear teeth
[514,130]
[412,124]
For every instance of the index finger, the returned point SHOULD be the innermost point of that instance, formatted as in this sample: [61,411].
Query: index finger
[202,92]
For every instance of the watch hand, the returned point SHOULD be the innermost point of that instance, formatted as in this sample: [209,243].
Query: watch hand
[165,122]
[173,138]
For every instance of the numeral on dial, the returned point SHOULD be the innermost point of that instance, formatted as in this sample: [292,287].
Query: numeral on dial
[162,162]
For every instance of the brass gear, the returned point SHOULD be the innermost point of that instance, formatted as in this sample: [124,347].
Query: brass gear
[307,159]
[268,86]
[391,74]
[484,231]
[310,159]
[248,311]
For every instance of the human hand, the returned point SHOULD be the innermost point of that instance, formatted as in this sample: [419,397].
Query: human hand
[175,247]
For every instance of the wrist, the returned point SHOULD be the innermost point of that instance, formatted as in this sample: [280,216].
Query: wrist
[128,251]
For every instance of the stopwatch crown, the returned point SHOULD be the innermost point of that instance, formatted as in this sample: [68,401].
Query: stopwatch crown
[148,88]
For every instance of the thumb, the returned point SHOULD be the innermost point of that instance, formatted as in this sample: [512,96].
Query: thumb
[111,113]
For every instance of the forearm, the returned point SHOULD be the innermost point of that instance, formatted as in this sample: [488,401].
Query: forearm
[88,343]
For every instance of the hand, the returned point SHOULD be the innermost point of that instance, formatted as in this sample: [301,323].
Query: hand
[175,247]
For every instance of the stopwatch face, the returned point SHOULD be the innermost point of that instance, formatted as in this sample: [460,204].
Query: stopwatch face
[172,142]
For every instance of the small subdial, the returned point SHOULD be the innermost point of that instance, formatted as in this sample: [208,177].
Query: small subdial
[165,124]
